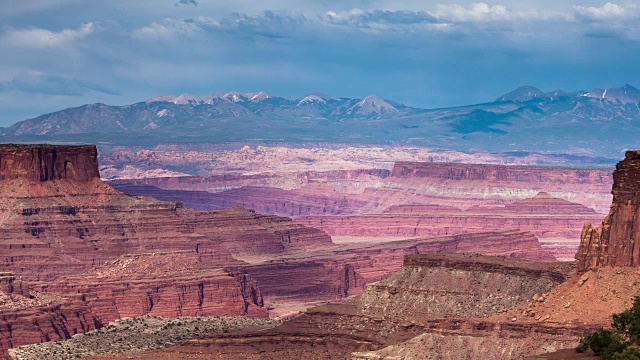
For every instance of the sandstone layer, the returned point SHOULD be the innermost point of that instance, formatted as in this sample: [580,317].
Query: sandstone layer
[543,215]
[615,242]
[412,199]
[346,270]
[48,162]
[384,315]
[29,316]
[547,217]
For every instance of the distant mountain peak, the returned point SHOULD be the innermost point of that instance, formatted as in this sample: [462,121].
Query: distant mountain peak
[521,94]
[231,96]
[313,98]
[234,96]
[162,98]
[373,104]
[258,96]
[182,99]
[624,94]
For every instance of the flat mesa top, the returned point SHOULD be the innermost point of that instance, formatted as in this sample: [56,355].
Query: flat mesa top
[36,146]
[450,259]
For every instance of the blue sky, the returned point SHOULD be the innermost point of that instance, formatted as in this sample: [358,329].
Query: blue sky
[62,53]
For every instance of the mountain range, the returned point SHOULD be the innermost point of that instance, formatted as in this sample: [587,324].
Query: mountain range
[598,122]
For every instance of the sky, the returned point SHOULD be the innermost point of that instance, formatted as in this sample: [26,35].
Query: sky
[56,54]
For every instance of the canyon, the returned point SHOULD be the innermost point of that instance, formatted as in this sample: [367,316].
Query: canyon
[449,306]
[441,301]
[354,202]
[79,254]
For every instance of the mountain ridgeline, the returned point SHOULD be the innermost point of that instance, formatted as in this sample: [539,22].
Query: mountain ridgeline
[601,122]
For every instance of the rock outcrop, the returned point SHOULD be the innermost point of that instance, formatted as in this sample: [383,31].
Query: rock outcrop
[29,316]
[495,173]
[48,162]
[616,241]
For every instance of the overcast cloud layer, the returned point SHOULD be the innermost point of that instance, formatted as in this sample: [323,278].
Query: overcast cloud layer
[61,53]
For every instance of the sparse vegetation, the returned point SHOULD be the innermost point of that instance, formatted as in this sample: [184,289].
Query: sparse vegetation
[140,334]
[619,343]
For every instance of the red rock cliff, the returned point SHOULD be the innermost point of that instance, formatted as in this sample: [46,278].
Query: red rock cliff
[616,241]
[496,173]
[48,162]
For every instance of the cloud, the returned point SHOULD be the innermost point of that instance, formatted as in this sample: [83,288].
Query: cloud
[187,2]
[407,50]
[42,38]
[358,17]
[167,29]
[606,12]
[482,12]
[51,84]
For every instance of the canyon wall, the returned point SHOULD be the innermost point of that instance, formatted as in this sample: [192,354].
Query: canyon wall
[545,216]
[497,173]
[342,271]
[29,316]
[423,300]
[615,242]
[295,193]
[48,162]
[93,253]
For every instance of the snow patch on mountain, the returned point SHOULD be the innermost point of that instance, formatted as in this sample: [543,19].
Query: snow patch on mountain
[372,104]
[312,99]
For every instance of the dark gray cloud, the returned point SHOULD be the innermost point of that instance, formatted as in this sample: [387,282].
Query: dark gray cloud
[187,2]
[51,84]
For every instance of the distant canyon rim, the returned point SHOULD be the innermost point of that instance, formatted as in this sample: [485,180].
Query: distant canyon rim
[361,185]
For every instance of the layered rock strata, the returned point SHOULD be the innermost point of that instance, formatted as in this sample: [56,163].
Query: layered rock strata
[346,270]
[295,192]
[48,162]
[66,232]
[497,173]
[386,314]
[29,316]
[543,215]
[615,242]
[110,255]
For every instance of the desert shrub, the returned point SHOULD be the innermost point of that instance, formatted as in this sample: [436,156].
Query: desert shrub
[583,346]
[628,322]
[615,343]
[631,353]
[605,343]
